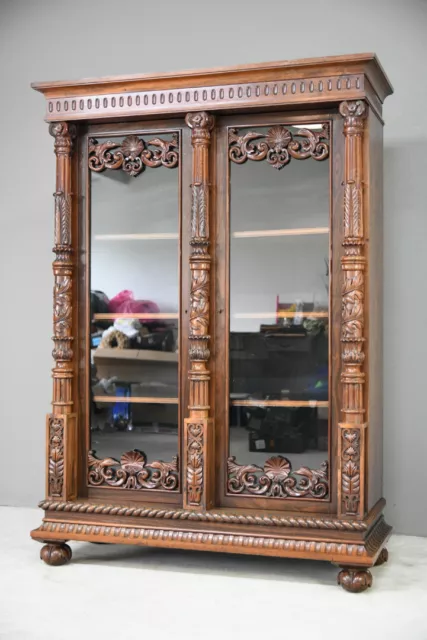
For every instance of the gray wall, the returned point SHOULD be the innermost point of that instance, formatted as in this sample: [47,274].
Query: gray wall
[55,40]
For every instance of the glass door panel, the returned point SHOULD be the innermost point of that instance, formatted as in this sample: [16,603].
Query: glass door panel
[134,310]
[279,224]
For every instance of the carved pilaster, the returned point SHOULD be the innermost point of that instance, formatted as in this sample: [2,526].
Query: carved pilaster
[351,441]
[198,430]
[62,419]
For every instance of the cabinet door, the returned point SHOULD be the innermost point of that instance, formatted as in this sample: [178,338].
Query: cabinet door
[133,310]
[273,300]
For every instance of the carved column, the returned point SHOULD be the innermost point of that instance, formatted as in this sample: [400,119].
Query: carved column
[352,428]
[61,424]
[198,428]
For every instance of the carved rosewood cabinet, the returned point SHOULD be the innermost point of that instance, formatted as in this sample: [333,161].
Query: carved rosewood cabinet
[217,313]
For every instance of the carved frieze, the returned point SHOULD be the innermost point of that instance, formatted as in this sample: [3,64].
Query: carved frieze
[133,472]
[276,479]
[223,95]
[278,145]
[133,154]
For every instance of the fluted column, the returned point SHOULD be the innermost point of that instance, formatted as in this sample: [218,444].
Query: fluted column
[61,423]
[198,429]
[352,428]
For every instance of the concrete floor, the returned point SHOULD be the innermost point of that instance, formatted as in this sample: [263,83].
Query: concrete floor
[119,592]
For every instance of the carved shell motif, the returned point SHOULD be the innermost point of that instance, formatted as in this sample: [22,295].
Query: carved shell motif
[277,468]
[132,147]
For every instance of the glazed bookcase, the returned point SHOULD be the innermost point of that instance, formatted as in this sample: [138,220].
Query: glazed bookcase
[204,130]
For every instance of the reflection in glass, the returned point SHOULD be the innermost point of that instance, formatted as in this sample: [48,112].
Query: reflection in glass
[279,309]
[134,282]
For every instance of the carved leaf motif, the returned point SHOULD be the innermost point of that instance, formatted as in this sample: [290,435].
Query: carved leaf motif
[351,478]
[56,457]
[353,227]
[63,218]
[199,211]
[195,435]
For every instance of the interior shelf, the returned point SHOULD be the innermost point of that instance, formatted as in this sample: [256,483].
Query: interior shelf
[275,233]
[279,403]
[282,314]
[262,233]
[137,316]
[135,400]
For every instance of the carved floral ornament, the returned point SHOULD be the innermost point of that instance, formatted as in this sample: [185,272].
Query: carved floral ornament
[278,145]
[133,154]
[277,480]
[133,472]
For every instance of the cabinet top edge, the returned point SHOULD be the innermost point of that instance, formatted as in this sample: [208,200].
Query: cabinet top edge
[366,63]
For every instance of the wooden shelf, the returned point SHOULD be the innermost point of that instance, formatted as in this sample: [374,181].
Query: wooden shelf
[282,314]
[276,233]
[135,400]
[137,236]
[140,355]
[279,403]
[137,316]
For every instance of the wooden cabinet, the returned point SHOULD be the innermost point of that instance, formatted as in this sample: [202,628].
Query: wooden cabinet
[217,313]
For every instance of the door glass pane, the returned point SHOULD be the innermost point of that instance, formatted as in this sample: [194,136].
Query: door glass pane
[279,311]
[134,307]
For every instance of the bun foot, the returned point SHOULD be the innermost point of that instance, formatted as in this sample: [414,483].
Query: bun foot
[56,554]
[382,558]
[354,580]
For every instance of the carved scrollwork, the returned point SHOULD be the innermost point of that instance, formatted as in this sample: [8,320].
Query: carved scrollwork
[277,480]
[133,154]
[194,463]
[133,472]
[56,456]
[278,145]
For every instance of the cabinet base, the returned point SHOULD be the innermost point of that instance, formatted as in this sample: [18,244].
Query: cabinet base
[354,545]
